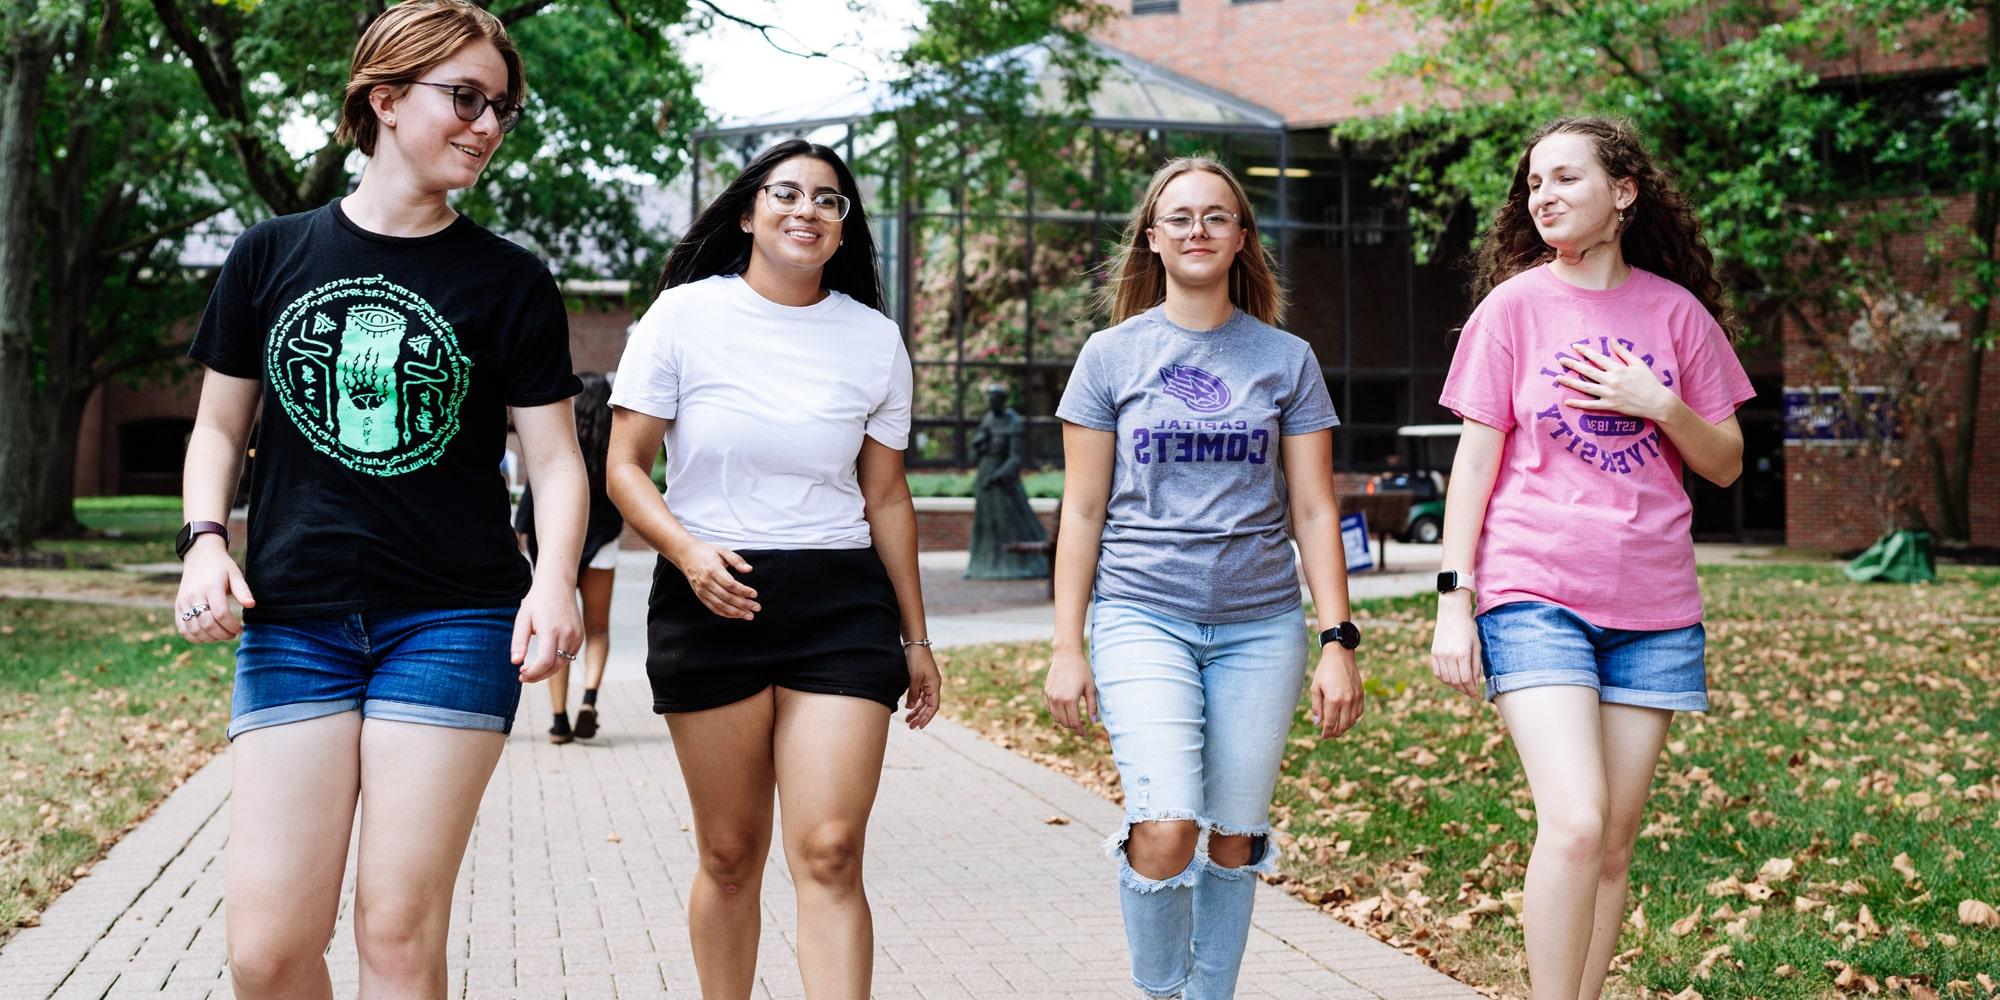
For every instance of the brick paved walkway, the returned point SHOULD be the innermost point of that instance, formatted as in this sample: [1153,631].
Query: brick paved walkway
[976,894]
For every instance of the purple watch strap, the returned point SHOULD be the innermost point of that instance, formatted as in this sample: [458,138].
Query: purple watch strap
[196,529]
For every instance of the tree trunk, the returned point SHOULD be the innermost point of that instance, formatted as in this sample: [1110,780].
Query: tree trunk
[55,480]
[22,83]
[1954,488]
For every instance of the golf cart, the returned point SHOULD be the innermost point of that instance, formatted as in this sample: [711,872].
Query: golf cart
[1425,453]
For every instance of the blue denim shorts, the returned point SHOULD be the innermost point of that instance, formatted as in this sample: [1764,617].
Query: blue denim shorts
[440,668]
[1532,644]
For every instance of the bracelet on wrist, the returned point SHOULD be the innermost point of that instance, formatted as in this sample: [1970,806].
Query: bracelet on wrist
[907,643]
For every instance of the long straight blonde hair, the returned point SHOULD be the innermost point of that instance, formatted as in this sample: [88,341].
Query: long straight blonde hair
[1136,280]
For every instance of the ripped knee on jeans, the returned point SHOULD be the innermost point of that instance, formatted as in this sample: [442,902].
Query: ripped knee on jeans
[1233,852]
[1236,850]
[1157,851]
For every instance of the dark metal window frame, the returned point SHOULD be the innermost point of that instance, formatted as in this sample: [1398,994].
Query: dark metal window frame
[1341,373]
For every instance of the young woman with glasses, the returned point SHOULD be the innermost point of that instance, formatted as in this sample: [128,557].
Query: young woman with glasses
[1194,431]
[1594,369]
[786,618]
[388,616]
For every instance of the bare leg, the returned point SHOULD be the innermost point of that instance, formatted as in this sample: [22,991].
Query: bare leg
[420,791]
[1161,849]
[595,586]
[559,689]
[725,757]
[1633,737]
[1556,733]
[291,812]
[829,763]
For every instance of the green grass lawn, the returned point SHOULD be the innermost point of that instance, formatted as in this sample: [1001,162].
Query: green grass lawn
[103,711]
[129,529]
[1045,484]
[1814,835]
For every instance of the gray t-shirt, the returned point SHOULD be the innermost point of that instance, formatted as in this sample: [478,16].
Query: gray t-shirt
[1196,522]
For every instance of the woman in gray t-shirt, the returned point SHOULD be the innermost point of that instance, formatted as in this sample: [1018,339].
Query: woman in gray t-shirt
[1191,429]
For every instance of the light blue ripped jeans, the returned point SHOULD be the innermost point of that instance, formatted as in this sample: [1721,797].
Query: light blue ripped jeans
[1198,716]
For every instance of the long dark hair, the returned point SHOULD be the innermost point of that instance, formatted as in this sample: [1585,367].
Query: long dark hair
[593,426]
[715,242]
[1660,234]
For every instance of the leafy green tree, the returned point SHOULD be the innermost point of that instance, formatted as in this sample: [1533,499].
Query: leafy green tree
[1805,172]
[99,171]
[126,122]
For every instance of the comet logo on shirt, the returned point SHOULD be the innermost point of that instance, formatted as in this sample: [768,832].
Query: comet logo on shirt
[1202,392]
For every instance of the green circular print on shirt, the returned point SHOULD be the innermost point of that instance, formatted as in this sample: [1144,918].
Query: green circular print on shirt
[370,374]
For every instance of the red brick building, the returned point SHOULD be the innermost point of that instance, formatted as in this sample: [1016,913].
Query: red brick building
[1379,322]
[1312,60]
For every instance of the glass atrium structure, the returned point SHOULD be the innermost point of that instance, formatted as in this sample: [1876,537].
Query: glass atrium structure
[991,270]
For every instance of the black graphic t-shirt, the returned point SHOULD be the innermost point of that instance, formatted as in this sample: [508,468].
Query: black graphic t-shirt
[388,364]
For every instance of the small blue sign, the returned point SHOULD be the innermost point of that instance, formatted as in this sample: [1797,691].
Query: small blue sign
[1354,538]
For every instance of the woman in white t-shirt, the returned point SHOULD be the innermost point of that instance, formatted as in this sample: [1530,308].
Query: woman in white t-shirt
[786,617]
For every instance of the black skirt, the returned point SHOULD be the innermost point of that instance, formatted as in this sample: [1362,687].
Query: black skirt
[829,624]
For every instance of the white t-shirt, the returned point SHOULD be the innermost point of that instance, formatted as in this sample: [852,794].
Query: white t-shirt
[768,405]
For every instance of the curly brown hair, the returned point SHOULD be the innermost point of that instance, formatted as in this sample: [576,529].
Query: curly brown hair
[1660,234]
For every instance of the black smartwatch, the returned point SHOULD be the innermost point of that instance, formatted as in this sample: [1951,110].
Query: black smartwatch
[1344,633]
[1451,580]
[195,529]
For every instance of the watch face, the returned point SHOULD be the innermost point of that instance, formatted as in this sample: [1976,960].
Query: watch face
[183,540]
[1350,636]
[1447,581]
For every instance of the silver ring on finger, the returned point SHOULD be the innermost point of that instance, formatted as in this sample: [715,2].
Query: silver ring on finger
[565,655]
[194,612]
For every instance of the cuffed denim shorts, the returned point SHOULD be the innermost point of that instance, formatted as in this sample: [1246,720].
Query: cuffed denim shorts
[448,668]
[1534,644]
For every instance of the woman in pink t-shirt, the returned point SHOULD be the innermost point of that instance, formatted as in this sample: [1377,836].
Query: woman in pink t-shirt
[1593,369]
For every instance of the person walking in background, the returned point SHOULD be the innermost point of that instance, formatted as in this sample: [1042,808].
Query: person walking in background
[1595,367]
[599,561]
[388,618]
[786,617]
[1192,430]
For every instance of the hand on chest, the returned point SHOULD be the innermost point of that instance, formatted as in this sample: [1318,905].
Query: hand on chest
[1598,398]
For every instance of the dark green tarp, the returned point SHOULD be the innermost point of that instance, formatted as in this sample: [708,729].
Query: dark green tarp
[1897,557]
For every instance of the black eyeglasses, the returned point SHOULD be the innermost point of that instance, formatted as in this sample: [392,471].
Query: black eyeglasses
[468,103]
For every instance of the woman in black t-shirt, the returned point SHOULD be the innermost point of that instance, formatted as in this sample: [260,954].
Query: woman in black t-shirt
[385,339]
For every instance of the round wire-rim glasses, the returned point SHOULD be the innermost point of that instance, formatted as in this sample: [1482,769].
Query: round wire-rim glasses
[1180,226]
[830,206]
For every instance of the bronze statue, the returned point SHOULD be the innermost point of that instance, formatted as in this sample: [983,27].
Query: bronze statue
[1000,511]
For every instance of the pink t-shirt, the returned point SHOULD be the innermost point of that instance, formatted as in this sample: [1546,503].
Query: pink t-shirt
[1588,511]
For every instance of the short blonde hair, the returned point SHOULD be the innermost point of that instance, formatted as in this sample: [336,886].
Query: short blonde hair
[407,39]
[1137,280]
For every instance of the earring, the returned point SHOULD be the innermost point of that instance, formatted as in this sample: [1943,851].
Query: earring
[390,121]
